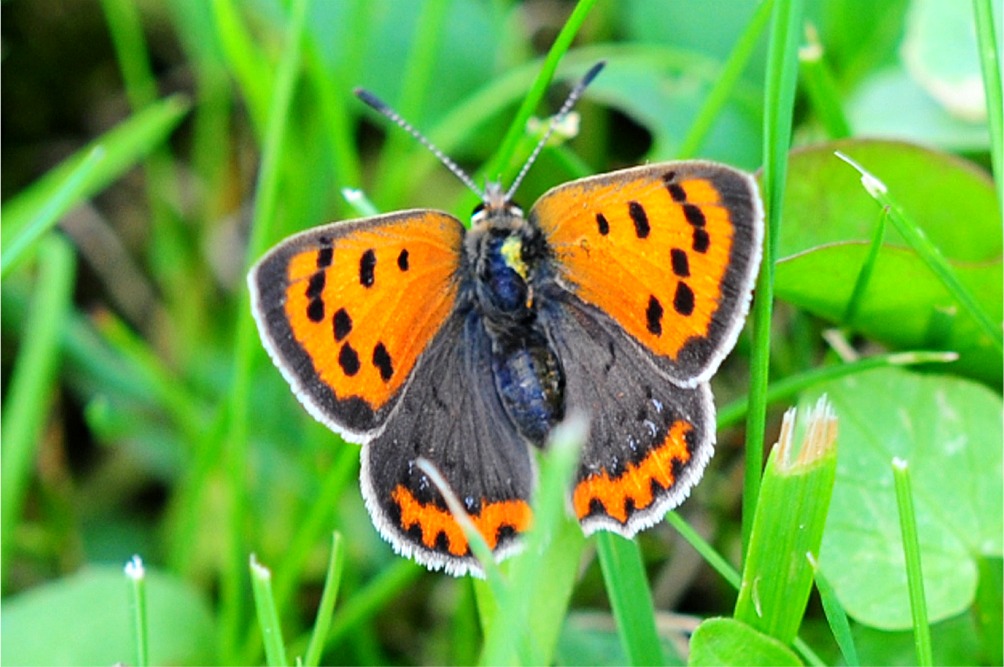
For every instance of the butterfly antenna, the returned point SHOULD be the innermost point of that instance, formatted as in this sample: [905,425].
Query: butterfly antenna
[556,119]
[380,106]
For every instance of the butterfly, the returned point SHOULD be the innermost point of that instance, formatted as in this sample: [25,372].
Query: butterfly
[617,295]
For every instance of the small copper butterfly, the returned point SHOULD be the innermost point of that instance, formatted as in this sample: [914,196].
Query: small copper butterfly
[617,295]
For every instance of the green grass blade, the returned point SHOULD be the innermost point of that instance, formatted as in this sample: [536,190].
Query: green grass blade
[788,526]
[789,387]
[988,612]
[415,79]
[497,166]
[730,575]
[821,89]
[521,625]
[368,600]
[630,598]
[65,196]
[867,269]
[246,62]
[25,405]
[928,252]
[990,65]
[779,100]
[914,571]
[326,608]
[124,145]
[137,605]
[836,617]
[268,617]
[726,81]
[234,442]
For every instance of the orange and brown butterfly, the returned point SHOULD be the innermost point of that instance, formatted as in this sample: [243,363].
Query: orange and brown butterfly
[616,295]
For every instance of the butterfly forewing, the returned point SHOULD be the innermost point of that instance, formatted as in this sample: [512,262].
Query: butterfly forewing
[668,251]
[338,310]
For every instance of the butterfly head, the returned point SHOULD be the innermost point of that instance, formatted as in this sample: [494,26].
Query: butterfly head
[495,209]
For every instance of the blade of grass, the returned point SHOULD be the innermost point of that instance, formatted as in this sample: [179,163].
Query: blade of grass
[268,617]
[990,65]
[630,598]
[730,575]
[914,571]
[779,100]
[527,616]
[247,63]
[791,386]
[171,256]
[124,145]
[867,269]
[928,252]
[326,608]
[65,196]
[726,81]
[137,605]
[25,405]
[821,88]
[380,590]
[788,526]
[312,526]
[836,617]
[415,79]
[502,158]
[988,611]
[234,443]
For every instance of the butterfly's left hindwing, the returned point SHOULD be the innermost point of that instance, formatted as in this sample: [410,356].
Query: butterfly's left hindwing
[451,416]
[347,309]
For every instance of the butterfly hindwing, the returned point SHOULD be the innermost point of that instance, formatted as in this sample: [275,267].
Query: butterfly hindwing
[452,417]
[336,309]
[649,440]
[668,251]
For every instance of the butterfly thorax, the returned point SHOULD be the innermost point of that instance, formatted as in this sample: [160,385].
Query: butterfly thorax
[507,256]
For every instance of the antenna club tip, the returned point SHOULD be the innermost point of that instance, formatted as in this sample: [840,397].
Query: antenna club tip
[593,71]
[369,98]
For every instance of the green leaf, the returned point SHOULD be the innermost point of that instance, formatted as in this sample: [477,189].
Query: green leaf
[940,53]
[949,430]
[726,641]
[904,304]
[84,619]
[825,203]
[831,221]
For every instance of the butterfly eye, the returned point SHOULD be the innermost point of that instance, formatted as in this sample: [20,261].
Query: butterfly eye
[512,208]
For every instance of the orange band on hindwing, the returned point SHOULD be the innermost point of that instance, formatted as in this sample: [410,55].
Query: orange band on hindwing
[612,494]
[439,529]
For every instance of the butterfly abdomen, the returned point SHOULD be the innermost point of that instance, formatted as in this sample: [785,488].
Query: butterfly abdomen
[506,256]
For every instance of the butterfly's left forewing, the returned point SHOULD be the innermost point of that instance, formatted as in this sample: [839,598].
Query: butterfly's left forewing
[337,309]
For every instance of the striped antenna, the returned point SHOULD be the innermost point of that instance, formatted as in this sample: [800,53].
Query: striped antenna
[379,105]
[556,119]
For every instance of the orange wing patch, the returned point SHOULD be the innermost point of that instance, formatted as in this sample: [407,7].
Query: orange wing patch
[635,483]
[651,250]
[364,305]
[434,522]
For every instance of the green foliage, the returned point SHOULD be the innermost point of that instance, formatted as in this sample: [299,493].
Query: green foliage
[140,414]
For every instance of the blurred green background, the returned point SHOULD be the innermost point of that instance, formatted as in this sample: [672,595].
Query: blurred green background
[142,431]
